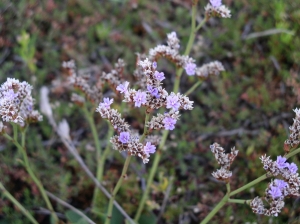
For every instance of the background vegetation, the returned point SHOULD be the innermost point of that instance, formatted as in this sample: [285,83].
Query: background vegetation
[249,106]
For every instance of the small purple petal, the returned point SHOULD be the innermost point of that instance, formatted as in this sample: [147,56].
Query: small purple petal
[159,75]
[148,148]
[154,65]
[107,102]
[140,98]
[292,168]
[153,91]
[122,88]
[281,184]
[169,123]
[281,162]
[275,192]
[173,102]
[124,137]
[216,3]
[190,68]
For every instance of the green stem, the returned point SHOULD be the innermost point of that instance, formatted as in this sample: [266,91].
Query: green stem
[101,164]
[17,204]
[15,130]
[145,133]
[151,175]
[201,24]
[193,88]
[218,207]
[292,153]
[32,175]
[261,178]
[116,189]
[90,119]
[238,201]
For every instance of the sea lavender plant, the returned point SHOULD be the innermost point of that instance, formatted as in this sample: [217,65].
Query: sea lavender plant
[16,107]
[286,184]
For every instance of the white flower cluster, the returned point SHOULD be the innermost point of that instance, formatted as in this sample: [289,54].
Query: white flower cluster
[16,102]
[294,138]
[223,159]
[212,68]
[81,82]
[115,76]
[216,9]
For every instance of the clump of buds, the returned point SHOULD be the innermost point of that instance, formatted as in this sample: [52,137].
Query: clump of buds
[16,103]
[223,159]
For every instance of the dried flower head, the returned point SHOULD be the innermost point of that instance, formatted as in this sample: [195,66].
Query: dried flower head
[223,159]
[16,102]
[294,138]
[216,9]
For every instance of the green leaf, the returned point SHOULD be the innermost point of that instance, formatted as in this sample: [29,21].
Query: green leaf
[149,218]
[75,218]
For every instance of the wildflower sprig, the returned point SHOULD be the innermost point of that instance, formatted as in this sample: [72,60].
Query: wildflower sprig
[285,184]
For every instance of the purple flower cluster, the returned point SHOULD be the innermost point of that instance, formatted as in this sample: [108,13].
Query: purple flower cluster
[281,164]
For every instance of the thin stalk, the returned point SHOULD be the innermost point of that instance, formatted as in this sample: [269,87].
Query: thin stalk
[63,203]
[151,176]
[193,88]
[32,175]
[101,164]
[17,204]
[292,153]
[145,133]
[90,119]
[238,201]
[261,178]
[15,130]
[116,189]
[218,207]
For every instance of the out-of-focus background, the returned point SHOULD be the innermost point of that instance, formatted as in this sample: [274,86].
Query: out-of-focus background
[249,106]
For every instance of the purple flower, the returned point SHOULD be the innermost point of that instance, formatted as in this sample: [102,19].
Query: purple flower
[281,162]
[153,91]
[173,102]
[190,68]
[275,192]
[154,65]
[106,103]
[139,98]
[124,137]
[159,75]
[216,3]
[281,184]
[122,88]
[148,148]
[292,168]
[10,94]
[169,123]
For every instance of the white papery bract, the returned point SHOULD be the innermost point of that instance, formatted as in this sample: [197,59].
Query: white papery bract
[16,102]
